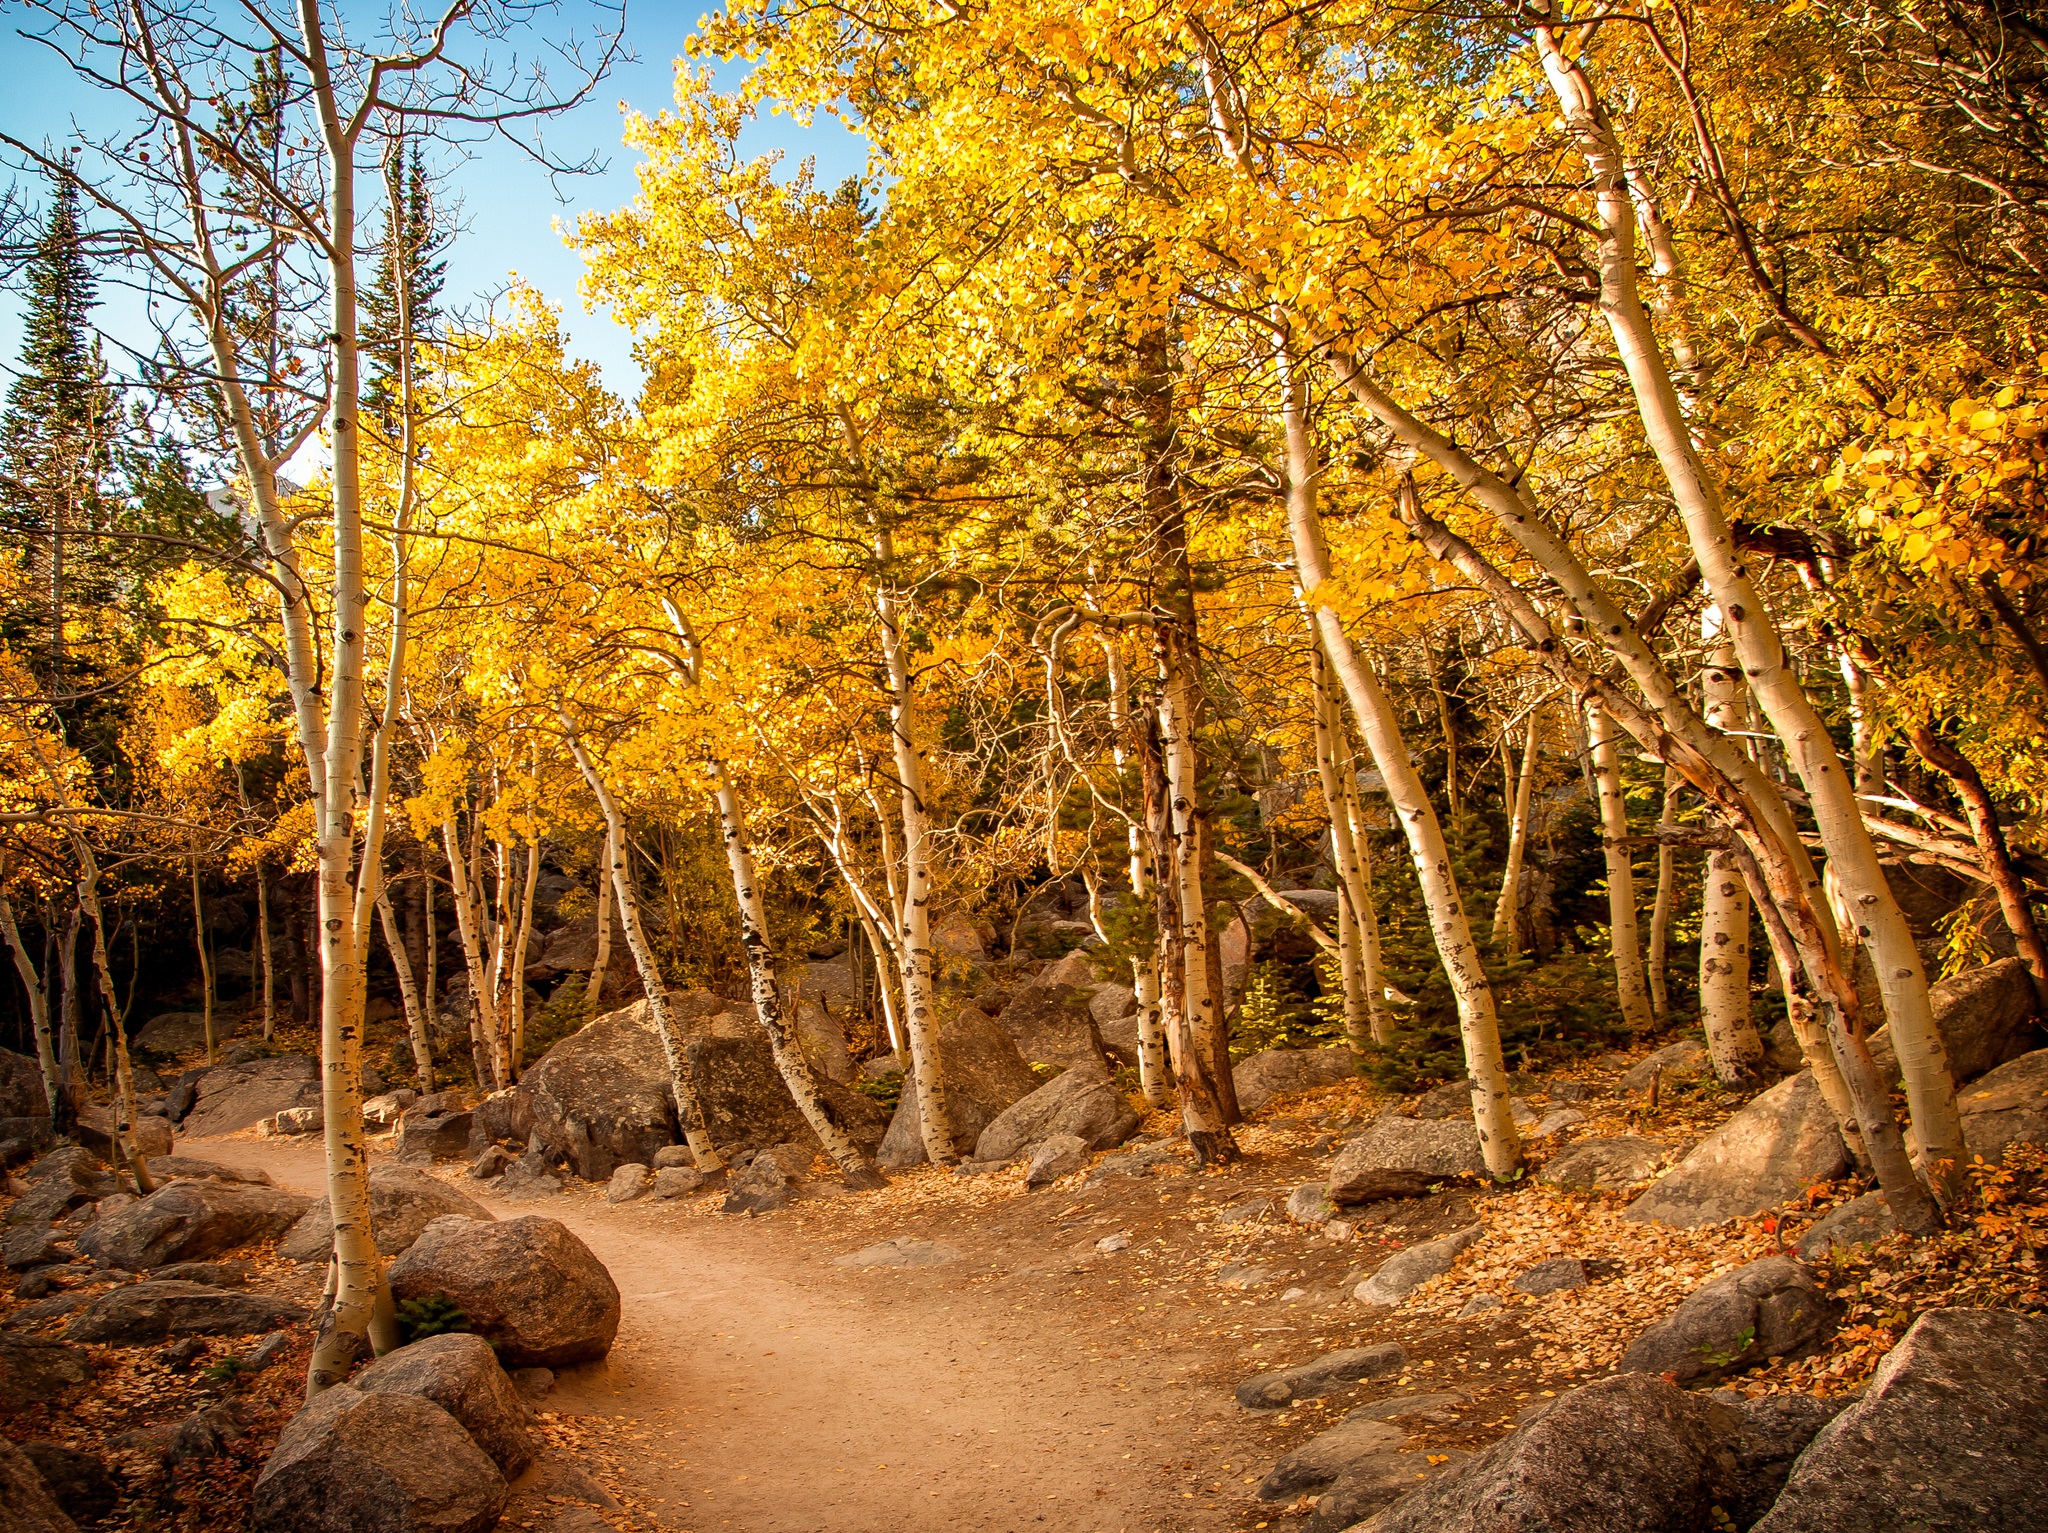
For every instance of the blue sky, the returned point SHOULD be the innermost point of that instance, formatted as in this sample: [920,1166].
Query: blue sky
[509,207]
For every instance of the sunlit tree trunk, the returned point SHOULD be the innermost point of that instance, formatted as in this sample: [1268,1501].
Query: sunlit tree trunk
[1732,1039]
[1364,1020]
[38,1005]
[1153,1068]
[1508,936]
[681,1081]
[483,1006]
[418,1021]
[603,958]
[1923,1061]
[1657,958]
[516,1046]
[1623,936]
[269,997]
[205,957]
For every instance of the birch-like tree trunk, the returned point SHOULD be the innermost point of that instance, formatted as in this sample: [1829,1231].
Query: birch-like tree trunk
[1830,789]
[1732,1040]
[269,997]
[602,960]
[483,1006]
[681,1081]
[1364,1012]
[1153,1069]
[914,947]
[1478,1023]
[1657,958]
[38,1005]
[418,1021]
[1508,936]
[205,958]
[516,1045]
[1623,936]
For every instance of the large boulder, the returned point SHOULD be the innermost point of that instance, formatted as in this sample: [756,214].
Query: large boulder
[1258,932]
[1326,1456]
[747,1105]
[1985,1017]
[1763,1309]
[1048,1018]
[179,1032]
[1604,1165]
[2005,1107]
[1858,1222]
[352,1462]
[190,1221]
[403,1201]
[165,1168]
[602,1096]
[26,1505]
[62,1180]
[527,1285]
[1763,1156]
[32,1369]
[1404,1157]
[229,1098]
[76,1480]
[984,1074]
[158,1311]
[95,1129]
[1082,1102]
[1629,1454]
[1372,1482]
[21,1087]
[1405,1271]
[460,1373]
[1274,1073]
[1951,1433]
[432,1131]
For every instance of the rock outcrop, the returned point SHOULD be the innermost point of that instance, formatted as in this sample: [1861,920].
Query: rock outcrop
[159,1311]
[1274,1073]
[1404,1157]
[1985,1017]
[352,1462]
[403,1201]
[1405,1271]
[190,1221]
[1082,1102]
[984,1074]
[229,1098]
[527,1285]
[1763,1156]
[1048,1019]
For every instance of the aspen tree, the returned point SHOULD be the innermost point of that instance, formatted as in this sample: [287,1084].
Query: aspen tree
[1624,941]
[1508,937]
[1732,1039]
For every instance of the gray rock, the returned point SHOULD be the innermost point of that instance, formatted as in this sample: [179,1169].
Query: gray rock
[1405,1271]
[403,1201]
[528,1177]
[1775,1431]
[32,1245]
[95,1131]
[1111,1003]
[1059,1156]
[903,1251]
[460,1373]
[26,1505]
[206,1433]
[2008,1106]
[1431,1407]
[1310,1204]
[628,1182]
[984,1074]
[352,1462]
[1985,1016]
[1242,1275]
[61,1181]
[1082,1102]
[1453,1099]
[1048,1017]
[77,1481]
[300,1120]
[23,1138]
[768,1181]
[1555,1123]
[384,1110]
[1604,1165]
[602,1096]
[190,1221]
[1325,1376]
[746,1105]
[678,1181]
[1479,1304]
[1326,1456]
[434,1133]
[21,1087]
[1244,1213]
[165,1168]
[1371,1483]
[1858,1222]
[528,1286]
[1272,1073]
[1553,1276]
[534,1383]
[1404,1158]
[177,1032]
[32,1369]
[159,1311]
[1763,1309]
[1763,1156]
[1950,1434]
[267,1351]
[228,1274]
[229,1098]
[1683,1060]
[674,1157]
[495,1161]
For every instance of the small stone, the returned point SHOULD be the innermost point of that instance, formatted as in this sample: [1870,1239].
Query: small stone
[301,1120]
[1244,1213]
[267,1351]
[1339,1230]
[1059,1156]
[627,1183]
[1310,1204]
[1115,1242]
[1556,1123]
[1405,1271]
[534,1383]
[1553,1276]
[674,1157]
[1292,1294]
[1325,1376]
[494,1162]
[1240,1275]
[678,1181]
[1327,1455]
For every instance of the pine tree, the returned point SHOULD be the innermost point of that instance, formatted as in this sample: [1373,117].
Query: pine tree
[57,440]
[408,259]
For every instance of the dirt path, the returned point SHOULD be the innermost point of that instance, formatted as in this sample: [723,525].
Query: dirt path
[767,1389]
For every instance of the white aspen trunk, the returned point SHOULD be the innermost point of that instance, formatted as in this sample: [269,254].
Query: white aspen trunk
[416,1017]
[205,959]
[1507,910]
[269,1000]
[604,925]
[1732,1039]
[500,946]
[1358,1010]
[1365,919]
[38,1005]
[124,1069]
[1658,954]
[516,1046]
[1154,1074]
[483,1010]
[920,1014]
[1866,760]
[1478,1022]
[681,1081]
[1623,935]
[1923,1062]
[430,928]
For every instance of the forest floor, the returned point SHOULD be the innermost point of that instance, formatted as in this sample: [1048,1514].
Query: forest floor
[1038,1382]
